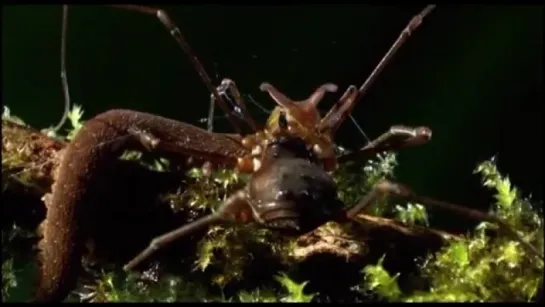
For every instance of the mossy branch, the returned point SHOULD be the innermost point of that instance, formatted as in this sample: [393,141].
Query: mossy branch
[30,159]
[230,257]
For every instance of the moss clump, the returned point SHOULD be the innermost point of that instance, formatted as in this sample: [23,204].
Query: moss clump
[120,287]
[353,183]
[9,281]
[479,268]
[483,266]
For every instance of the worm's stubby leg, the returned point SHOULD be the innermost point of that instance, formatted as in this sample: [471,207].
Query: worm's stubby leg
[153,144]
[146,139]
[235,209]
[388,187]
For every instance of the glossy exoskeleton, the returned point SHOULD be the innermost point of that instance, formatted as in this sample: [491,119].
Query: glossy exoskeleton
[291,192]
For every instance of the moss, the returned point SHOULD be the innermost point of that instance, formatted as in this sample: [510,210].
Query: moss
[479,268]
[484,266]
[120,287]
[9,280]
[353,183]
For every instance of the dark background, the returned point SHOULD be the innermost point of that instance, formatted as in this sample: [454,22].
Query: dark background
[471,73]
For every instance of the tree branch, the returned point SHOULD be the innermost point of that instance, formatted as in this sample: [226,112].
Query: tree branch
[30,159]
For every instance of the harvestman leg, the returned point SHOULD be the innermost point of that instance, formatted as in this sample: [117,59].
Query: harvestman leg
[397,137]
[389,187]
[344,106]
[64,78]
[228,86]
[400,137]
[176,33]
[235,209]
[342,109]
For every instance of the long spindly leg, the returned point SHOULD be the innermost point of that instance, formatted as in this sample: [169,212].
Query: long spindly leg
[388,187]
[209,120]
[176,33]
[235,209]
[397,137]
[64,78]
[336,115]
[228,86]
[339,113]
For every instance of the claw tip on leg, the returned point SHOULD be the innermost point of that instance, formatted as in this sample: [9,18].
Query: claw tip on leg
[330,87]
[264,87]
[424,132]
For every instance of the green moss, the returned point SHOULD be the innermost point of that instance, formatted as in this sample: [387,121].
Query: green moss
[121,287]
[9,280]
[225,250]
[479,268]
[6,115]
[17,265]
[378,280]
[354,183]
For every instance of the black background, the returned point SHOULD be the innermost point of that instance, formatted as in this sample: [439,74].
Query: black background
[473,74]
